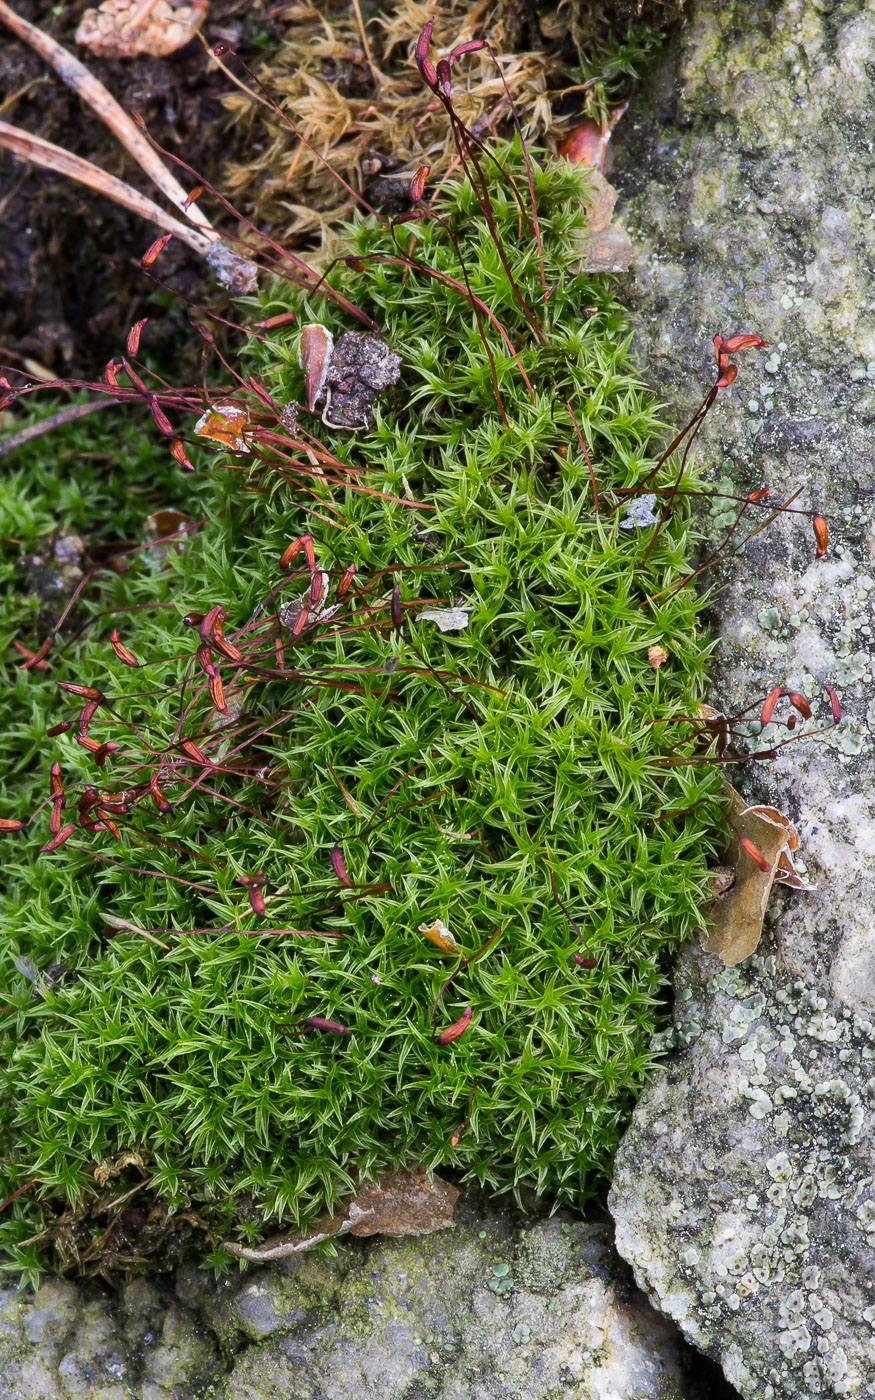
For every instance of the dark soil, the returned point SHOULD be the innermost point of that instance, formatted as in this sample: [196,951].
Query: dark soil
[70,258]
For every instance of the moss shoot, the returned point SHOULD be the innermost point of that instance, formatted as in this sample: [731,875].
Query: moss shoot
[503,779]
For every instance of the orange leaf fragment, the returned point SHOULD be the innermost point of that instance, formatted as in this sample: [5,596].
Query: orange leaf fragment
[438,934]
[225,424]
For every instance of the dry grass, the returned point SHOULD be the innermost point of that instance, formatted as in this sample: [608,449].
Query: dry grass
[357,97]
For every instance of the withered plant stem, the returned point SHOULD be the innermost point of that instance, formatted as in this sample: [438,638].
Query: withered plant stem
[45,153]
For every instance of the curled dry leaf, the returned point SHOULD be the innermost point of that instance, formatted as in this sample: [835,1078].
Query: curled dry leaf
[399,1203]
[126,28]
[446,619]
[760,854]
[304,612]
[314,352]
[109,1170]
[225,424]
[440,936]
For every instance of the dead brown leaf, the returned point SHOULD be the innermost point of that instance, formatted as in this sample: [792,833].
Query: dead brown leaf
[401,1203]
[108,1171]
[125,28]
[735,918]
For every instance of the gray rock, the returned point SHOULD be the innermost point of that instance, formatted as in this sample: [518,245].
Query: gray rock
[742,1209]
[744,1194]
[491,1310]
[75,1342]
[482,1311]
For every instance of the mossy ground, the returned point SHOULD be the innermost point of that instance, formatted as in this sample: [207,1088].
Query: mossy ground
[524,744]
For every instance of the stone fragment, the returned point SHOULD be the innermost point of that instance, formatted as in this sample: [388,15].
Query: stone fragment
[744,1189]
[608,251]
[361,366]
[488,1309]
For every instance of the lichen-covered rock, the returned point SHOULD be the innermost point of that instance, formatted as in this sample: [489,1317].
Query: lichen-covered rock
[70,1341]
[743,1189]
[494,1309]
[484,1310]
[744,1193]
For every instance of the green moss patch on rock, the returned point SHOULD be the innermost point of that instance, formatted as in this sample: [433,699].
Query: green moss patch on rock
[458,774]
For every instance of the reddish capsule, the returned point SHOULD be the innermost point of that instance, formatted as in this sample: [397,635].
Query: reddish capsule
[754,852]
[339,867]
[121,650]
[291,551]
[29,656]
[59,838]
[741,342]
[443,77]
[427,70]
[217,693]
[321,1023]
[205,659]
[450,1033]
[35,658]
[834,702]
[821,535]
[157,795]
[346,582]
[86,714]
[253,885]
[9,824]
[769,704]
[87,692]
[154,249]
[191,750]
[134,336]
[177,452]
[417,184]
[799,703]
[108,822]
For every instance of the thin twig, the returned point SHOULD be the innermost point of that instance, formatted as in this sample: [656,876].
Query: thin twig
[46,153]
[48,425]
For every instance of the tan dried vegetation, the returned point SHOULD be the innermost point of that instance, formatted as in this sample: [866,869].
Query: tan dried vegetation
[357,98]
